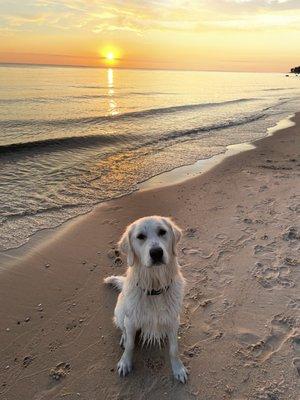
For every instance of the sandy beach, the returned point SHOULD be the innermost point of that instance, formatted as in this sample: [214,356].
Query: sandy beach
[239,336]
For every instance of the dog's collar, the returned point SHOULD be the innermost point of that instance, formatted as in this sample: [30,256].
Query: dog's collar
[154,292]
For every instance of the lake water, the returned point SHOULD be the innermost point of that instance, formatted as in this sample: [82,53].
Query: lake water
[73,137]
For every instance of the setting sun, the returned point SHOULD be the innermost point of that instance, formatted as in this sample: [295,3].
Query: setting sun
[110,56]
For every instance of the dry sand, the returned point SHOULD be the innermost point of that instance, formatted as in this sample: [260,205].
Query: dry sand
[240,334]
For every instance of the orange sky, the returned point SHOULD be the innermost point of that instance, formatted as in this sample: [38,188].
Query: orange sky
[230,35]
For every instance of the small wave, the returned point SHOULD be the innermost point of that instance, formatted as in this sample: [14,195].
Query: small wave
[29,213]
[55,99]
[135,114]
[78,97]
[152,93]
[93,96]
[27,100]
[224,125]
[89,87]
[116,88]
[65,143]
[278,89]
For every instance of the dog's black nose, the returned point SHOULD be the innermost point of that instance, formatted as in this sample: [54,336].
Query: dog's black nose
[156,253]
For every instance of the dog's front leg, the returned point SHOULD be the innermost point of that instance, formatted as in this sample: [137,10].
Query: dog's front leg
[179,370]
[125,363]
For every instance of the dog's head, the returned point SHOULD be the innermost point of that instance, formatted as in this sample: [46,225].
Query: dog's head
[150,241]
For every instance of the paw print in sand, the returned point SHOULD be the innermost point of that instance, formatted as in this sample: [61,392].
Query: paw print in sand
[60,371]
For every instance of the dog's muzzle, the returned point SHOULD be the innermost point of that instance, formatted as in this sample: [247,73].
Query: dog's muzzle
[156,254]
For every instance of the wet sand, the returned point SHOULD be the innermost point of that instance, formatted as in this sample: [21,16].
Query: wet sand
[239,336]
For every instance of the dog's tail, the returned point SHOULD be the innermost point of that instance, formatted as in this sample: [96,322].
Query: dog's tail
[116,281]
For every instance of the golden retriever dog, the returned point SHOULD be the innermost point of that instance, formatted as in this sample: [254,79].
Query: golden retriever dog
[152,290]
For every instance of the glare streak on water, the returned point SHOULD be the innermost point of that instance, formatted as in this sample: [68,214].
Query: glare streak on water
[73,137]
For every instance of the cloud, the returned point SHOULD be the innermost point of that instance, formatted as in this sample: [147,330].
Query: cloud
[138,17]
[20,20]
[263,21]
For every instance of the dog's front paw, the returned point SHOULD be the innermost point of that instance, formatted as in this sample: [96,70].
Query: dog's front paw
[124,366]
[179,371]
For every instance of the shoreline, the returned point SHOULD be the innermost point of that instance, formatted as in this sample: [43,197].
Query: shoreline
[240,323]
[171,177]
[190,171]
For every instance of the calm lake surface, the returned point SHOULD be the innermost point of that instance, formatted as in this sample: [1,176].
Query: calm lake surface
[73,137]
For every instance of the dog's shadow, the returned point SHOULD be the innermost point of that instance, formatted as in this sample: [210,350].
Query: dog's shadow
[152,356]
[151,376]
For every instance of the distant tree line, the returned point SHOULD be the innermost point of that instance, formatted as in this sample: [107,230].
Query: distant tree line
[295,70]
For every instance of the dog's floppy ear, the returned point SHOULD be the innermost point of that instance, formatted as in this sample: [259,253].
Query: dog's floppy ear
[125,245]
[176,233]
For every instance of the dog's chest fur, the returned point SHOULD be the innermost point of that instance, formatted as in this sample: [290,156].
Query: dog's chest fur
[154,315]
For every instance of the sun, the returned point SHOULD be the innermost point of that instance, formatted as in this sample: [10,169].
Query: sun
[110,55]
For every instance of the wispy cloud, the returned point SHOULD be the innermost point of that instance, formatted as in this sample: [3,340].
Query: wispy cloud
[142,16]
[152,32]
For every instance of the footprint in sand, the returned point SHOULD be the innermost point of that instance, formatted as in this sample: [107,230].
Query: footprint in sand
[296,348]
[296,362]
[228,247]
[273,390]
[114,255]
[247,338]
[60,371]
[294,303]
[281,329]
[296,344]
[193,351]
[192,232]
[272,277]
[267,251]
[197,252]
[295,208]
[292,261]
[291,234]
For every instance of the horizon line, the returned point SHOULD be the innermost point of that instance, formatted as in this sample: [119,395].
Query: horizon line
[4,63]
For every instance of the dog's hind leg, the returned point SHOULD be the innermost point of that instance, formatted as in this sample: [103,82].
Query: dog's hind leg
[179,370]
[125,363]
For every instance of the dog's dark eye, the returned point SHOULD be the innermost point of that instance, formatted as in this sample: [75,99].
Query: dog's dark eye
[162,232]
[141,236]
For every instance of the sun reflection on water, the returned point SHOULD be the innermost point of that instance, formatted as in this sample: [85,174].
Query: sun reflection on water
[112,105]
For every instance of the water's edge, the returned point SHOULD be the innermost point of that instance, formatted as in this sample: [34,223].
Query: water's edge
[180,174]
[168,178]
